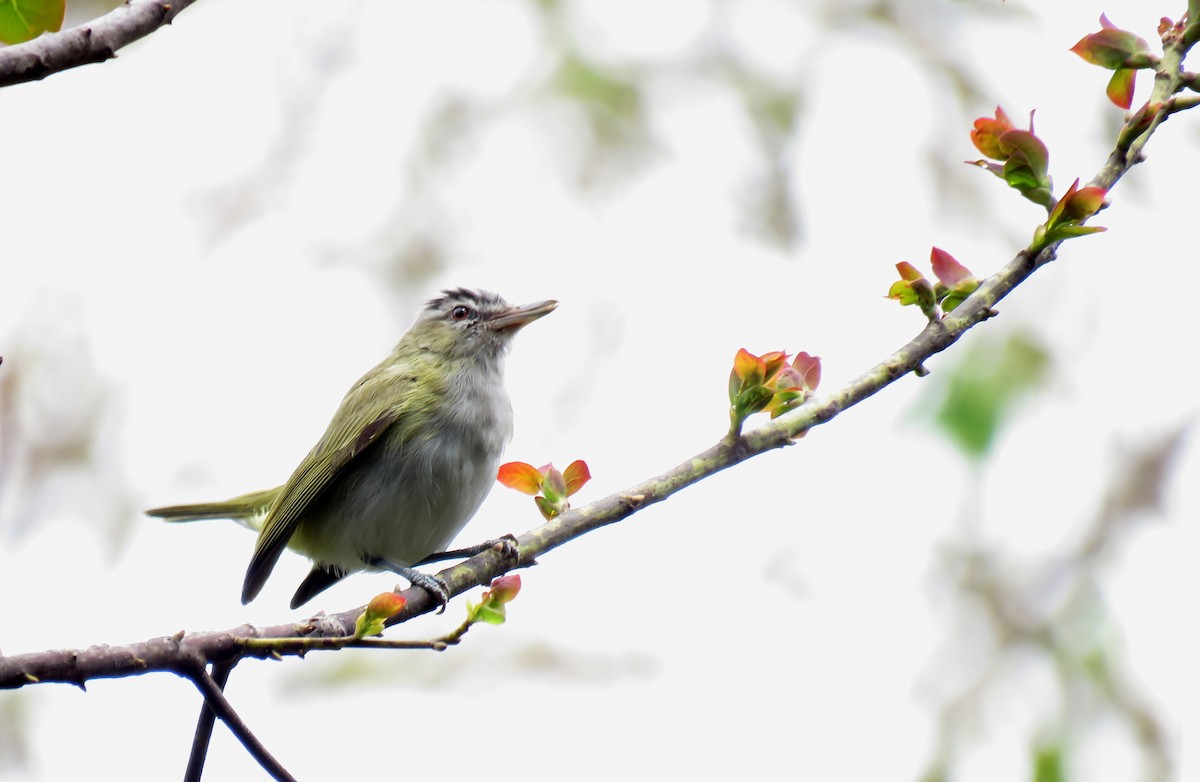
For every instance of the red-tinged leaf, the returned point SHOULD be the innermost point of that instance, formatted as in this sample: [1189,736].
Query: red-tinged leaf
[1120,87]
[908,272]
[987,132]
[554,486]
[1164,25]
[576,475]
[1110,47]
[1089,200]
[1084,203]
[382,607]
[948,270]
[1076,205]
[386,604]
[749,368]
[24,20]
[491,606]
[1024,146]
[789,378]
[504,589]
[520,476]
[809,368]
[772,362]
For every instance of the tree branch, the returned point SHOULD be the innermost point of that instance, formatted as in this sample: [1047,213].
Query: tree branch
[214,699]
[96,41]
[185,652]
[204,725]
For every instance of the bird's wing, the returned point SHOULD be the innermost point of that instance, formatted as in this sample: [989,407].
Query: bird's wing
[370,408]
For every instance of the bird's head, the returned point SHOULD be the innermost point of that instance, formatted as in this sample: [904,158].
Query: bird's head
[463,323]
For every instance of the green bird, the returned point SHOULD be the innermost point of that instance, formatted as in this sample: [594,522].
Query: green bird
[407,460]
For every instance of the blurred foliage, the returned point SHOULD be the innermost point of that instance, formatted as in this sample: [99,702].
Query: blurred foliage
[1048,764]
[612,105]
[58,425]
[976,396]
[471,665]
[1056,608]
[14,726]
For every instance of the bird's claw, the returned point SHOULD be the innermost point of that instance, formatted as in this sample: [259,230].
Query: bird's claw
[436,588]
[506,546]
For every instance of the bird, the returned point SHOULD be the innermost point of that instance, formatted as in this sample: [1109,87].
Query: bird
[404,464]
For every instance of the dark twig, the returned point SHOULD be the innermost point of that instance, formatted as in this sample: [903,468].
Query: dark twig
[204,724]
[96,41]
[215,698]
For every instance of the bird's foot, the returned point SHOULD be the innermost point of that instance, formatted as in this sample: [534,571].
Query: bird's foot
[436,587]
[507,546]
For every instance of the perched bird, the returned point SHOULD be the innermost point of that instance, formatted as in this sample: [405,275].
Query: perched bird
[408,458]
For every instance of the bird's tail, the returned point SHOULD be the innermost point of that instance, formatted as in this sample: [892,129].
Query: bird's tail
[249,510]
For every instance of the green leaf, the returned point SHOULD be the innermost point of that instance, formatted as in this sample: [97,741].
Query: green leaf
[1120,87]
[554,485]
[490,613]
[1048,764]
[1071,231]
[976,398]
[491,607]
[24,20]
[953,299]
[548,509]
[752,400]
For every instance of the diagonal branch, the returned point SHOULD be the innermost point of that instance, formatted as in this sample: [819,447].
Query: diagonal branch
[204,725]
[215,700]
[182,651]
[96,41]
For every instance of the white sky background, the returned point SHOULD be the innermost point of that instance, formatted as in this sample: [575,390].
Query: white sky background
[782,618]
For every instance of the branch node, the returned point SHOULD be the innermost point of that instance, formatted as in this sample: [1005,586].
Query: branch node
[633,501]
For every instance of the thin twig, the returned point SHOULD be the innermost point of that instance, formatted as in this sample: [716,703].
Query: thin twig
[216,700]
[204,724]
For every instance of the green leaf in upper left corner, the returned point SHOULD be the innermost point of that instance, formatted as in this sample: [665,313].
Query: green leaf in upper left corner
[24,20]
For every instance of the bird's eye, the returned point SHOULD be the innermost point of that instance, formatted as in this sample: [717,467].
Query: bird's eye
[461,312]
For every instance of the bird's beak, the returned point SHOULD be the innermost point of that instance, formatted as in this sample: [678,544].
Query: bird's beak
[517,317]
